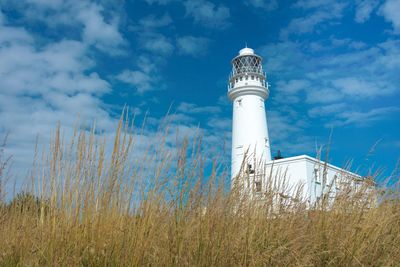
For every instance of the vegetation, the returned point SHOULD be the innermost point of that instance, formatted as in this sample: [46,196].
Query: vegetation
[163,207]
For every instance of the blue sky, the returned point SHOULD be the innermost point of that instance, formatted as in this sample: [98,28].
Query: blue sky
[333,67]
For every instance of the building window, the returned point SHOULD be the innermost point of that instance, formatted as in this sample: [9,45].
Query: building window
[250,169]
[258,186]
[316,176]
[252,77]
[336,182]
[247,77]
[241,78]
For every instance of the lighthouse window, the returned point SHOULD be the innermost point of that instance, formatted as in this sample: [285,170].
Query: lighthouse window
[241,78]
[252,77]
[247,77]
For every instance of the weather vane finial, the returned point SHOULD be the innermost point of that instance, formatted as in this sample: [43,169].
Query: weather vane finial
[245,44]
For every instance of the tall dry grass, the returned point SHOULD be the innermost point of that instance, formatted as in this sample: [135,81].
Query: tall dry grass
[166,207]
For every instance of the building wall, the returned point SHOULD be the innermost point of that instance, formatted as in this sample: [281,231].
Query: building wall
[308,173]
[293,173]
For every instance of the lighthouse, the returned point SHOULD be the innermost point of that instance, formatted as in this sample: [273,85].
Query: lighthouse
[251,166]
[248,90]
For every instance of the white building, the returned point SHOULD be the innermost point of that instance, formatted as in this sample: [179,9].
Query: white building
[252,165]
[316,177]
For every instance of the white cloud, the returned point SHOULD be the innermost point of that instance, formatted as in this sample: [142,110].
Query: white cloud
[286,132]
[159,2]
[313,4]
[317,12]
[42,84]
[144,78]
[287,91]
[104,35]
[282,58]
[356,87]
[207,13]
[347,42]
[140,80]
[332,79]
[331,109]
[390,10]
[180,119]
[56,67]
[292,86]
[44,80]
[306,24]
[365,118]
[364,8]
[14,35]
[323,95]
[89,17]
[190,45]
[185,122]
[153,21]
[264,4]
[190,108]
[220,123]
[388,59]
[155,49]
[156,43]
[147,65]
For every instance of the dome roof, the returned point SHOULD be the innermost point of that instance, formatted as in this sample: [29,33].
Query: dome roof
[246,51]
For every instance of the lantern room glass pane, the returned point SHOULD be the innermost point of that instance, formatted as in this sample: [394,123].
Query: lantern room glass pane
[247,64]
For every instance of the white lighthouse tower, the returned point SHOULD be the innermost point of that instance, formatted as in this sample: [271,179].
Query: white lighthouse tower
[248,90]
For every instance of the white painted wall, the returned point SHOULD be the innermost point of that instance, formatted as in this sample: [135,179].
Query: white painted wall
[308,172]
[249,124]
[250,132]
